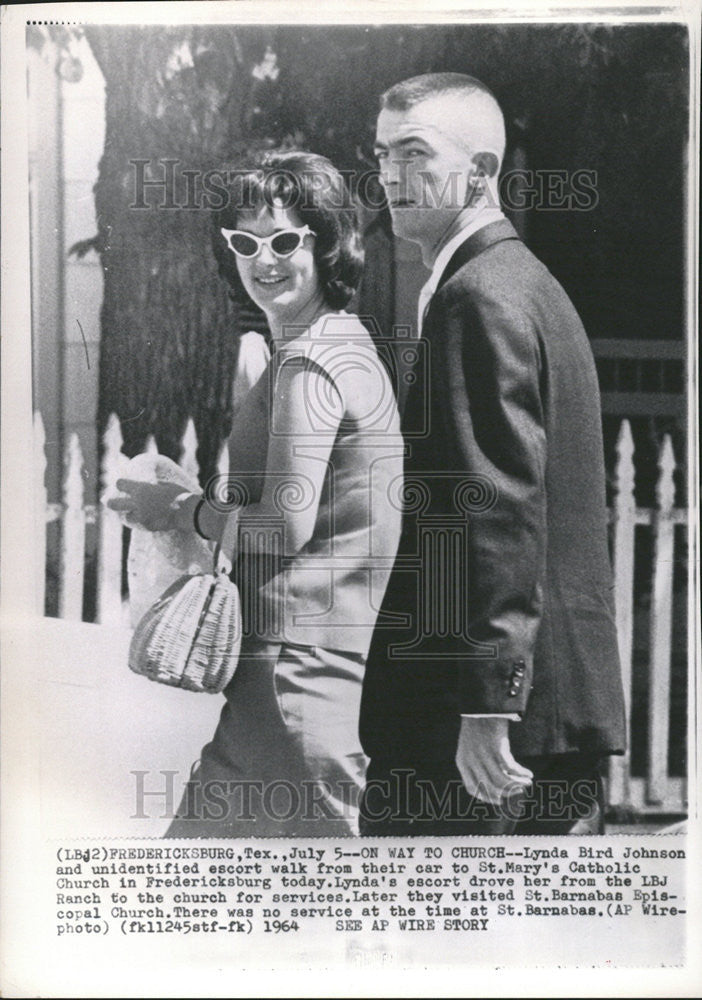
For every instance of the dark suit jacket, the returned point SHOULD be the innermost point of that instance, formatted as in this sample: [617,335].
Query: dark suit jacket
[501,596]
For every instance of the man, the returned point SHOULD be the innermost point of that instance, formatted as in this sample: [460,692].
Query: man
[493,689]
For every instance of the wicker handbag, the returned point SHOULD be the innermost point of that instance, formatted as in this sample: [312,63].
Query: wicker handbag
[191,636]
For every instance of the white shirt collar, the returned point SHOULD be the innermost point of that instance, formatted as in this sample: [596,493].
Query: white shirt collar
[481,219]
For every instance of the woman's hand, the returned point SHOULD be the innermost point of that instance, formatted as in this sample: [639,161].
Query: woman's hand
[155,506]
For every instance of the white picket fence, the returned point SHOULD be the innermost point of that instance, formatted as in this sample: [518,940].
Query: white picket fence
[657,791]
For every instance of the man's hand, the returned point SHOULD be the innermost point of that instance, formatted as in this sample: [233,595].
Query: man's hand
[151,505]
[484,759]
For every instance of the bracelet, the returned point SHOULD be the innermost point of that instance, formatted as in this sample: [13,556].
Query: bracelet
[196,516]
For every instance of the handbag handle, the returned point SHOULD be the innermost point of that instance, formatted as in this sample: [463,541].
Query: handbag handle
[226,543]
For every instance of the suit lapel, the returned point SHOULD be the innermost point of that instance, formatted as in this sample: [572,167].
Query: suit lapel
[413,410]
[486,237]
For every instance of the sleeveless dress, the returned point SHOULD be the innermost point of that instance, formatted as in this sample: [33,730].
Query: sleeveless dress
[286,759]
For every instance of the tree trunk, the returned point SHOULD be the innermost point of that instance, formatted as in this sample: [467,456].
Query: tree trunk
[174,99]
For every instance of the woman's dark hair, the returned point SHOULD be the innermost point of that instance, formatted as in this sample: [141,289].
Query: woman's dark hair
[314,189]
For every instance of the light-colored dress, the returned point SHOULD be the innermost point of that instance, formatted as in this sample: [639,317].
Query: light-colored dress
[286,759]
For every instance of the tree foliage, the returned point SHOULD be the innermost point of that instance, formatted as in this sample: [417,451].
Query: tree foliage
[607,98]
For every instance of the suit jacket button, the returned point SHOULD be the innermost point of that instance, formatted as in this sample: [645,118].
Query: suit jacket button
[513,691]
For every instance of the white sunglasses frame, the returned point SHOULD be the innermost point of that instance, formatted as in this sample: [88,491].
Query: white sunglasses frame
[266,241]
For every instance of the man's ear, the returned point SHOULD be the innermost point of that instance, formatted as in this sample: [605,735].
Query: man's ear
[486,164]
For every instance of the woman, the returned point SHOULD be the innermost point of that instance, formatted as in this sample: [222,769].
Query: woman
[315,460]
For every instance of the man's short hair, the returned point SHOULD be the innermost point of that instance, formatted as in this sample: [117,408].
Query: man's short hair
[404,95]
